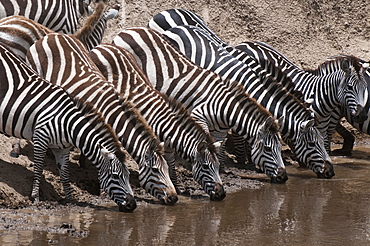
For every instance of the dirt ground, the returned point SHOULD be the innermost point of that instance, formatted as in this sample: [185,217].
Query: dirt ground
[307,32]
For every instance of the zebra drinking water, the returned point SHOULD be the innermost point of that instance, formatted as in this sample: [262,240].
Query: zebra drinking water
[298,130]
[218,105]
[64,61]
[169,120]
[33,109]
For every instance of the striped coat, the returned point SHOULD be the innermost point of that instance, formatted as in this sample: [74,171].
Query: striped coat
[33,109]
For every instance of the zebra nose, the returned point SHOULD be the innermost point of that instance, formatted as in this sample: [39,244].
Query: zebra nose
[218,193]
[129,206]
[328,171]
[281,177]
[169,199]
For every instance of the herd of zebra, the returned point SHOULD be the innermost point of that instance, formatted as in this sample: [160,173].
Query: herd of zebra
[170,89]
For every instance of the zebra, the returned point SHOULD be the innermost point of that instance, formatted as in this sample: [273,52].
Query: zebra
[91,34]
[217,105]
[33,109]
[336,84]
[64,61]
[60,16]
[169,120]
[13,27]
[299,130]
[351,89]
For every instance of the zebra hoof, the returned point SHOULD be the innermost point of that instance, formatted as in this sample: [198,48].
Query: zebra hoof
[14,154]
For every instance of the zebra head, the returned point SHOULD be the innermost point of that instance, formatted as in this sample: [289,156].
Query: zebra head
[154,175]
[206,171]
[114,179]
[266,151]
[353,91]
[310,151]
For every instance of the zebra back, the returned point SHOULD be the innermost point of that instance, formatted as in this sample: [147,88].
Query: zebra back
[169,120]
[204,51]
[64,61]
[60,16]
[216,104]
[33,109]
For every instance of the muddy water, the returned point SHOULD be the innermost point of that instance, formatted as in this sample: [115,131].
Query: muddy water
[304,211]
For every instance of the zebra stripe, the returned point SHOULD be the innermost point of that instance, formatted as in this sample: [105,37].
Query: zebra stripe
[60,16]
[217,105]
[33,109]
[336,84]
[64,61]
[169,120]
[298,129]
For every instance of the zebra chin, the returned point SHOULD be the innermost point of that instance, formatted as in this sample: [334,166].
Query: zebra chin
[359,115]
[327,172]
[129,205]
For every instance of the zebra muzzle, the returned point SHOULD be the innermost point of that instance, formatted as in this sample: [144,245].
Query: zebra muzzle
[128,206]
[218,193]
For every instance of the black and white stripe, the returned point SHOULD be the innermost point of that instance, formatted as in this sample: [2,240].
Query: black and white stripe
[298,129]
[64,61]
[217,105]
[33,109]
[60,16]
[169,120]
[336,84]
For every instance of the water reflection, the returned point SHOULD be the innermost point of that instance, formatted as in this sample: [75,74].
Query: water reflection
[304,211]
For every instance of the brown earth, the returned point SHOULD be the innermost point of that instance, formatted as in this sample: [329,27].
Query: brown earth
[307,32]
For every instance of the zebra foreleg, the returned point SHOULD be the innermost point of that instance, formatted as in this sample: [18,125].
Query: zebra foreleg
[169,155]
[62,159]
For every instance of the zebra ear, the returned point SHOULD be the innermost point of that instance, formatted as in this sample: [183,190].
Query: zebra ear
[307,124]
[108,155]
[267,124]
[279,121]
[217,145]
[202,146]
[113,12]
[345,65]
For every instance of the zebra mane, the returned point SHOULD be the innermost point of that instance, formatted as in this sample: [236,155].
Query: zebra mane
[97,119]
[140,121]
[183,115]
[90,22]
[333,63]
[239,91]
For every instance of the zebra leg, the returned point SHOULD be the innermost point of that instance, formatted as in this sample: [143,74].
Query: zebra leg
[348,141]
[169,156]
[62,159]
[16,148]
[40,149]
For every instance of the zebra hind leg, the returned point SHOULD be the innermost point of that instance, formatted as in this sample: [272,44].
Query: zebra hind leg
[348,141]
[169,156]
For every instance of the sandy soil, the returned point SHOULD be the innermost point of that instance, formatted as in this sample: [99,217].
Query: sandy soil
[307,32]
